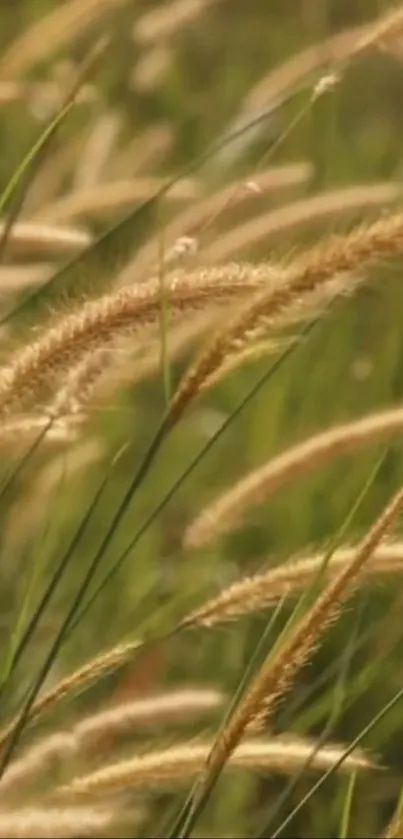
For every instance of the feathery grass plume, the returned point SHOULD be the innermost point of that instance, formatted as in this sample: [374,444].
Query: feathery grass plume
[357,250]
[81,380]
[172,706]
[98,322]
[336,50]
[179,763]
[226,513]
[50,33]
[316,208]
[140,363]
[164,22]
[198,215]
[253,593]
[97,150]
[31,240]
[76,682]
[63,748]
[104,199]
[277,673]
[54,822]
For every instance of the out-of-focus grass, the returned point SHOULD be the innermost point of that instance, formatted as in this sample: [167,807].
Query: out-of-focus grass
[350,365]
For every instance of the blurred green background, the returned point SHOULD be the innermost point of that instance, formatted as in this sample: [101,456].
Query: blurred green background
[192,81]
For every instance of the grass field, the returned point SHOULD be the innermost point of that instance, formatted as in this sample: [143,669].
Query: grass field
[201,248]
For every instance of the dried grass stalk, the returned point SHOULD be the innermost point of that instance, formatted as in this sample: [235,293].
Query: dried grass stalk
[317,208]
[180,763]
[54,822]
[358,250]
[276,675]
[99,322]
[251,594]
[227,512]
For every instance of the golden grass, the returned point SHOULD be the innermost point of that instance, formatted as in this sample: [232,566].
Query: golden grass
[335,50]
[252,594]
[277,673]
[142,152]
[99,322]
[31,240]
[84,676]
[164,22]
[54,822]
[50,33]
[227,512]
[64,749]
[196,218]
[104,199]
[182,763]
[358,250]
[292,217]
[98,151]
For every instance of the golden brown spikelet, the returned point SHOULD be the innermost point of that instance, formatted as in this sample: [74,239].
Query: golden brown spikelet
[180,763]
[277,673]
[227,512]
[251,594]
[316,208]
[99,322]
[356,251]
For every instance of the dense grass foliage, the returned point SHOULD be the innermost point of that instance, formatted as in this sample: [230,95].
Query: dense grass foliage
[165,167]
